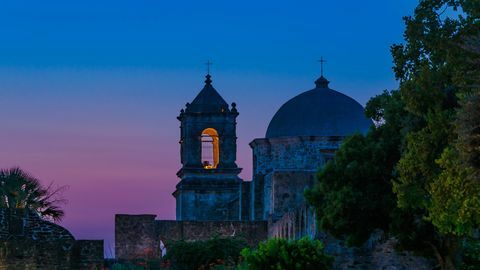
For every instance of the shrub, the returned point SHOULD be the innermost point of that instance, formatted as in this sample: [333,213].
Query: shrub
[281,254]
[210,254]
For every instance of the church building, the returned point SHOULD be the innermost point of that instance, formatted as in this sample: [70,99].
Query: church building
[302,136]
[211,199]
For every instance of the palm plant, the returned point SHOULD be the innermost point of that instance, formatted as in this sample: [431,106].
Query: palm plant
[19,189]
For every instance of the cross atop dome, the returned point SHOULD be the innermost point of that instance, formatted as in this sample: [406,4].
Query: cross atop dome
[321,82]
[321,65]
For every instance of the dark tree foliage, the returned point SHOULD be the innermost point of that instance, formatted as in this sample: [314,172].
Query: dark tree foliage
[208,254]
[468,126]
[353,193]
[18,189]
[435,73]
[416,173]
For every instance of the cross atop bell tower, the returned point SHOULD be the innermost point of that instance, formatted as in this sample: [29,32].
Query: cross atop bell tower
[208,64]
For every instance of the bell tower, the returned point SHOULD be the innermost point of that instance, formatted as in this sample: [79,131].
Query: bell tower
[209,187]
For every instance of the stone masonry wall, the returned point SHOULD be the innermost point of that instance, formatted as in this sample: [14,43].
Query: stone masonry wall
[284,192]
[276,155]
[29,242]
[87,254]
[378,252]
[295,224]
[292,153]
[213,198]
[139,236]
[136,237]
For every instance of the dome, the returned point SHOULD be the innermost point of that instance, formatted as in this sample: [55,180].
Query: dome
[319,112]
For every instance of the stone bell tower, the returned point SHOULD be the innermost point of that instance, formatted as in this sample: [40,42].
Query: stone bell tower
[210,188]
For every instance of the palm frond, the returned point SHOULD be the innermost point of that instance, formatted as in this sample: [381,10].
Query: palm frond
[18,189]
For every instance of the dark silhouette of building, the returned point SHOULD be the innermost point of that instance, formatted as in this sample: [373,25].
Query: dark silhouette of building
[210,188]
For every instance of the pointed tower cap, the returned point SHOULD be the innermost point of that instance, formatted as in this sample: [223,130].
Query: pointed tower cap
[208,100]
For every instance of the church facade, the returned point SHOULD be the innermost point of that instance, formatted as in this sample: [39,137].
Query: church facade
[211,199]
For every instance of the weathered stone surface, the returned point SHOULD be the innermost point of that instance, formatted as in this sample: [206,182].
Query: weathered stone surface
[378,252]
[139,236]
[215,198]
[292,153]
[136,237]
[284,192]
[295,224]
[87,254]
[283,168]
[29,242]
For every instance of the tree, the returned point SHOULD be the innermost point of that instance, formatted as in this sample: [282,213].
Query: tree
[353,193]
[18,189]
[427,142]
[434,71]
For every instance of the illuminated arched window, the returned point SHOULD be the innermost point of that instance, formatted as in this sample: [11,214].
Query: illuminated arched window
[210,148]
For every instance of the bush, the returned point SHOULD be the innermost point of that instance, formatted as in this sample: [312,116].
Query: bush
[216,253]
[281,254]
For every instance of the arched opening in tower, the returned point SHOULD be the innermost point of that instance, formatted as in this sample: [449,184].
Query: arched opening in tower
[210,148]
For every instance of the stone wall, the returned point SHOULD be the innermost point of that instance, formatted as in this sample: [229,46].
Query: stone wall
[292,153]
[139,236]
[136,237]
[87,254]
[284,191]
[274,156]
[29,242]
[295,224]
[245,200]
[378,252]
[209,197]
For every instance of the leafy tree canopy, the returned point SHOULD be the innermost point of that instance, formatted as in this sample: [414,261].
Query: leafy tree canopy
[416,173]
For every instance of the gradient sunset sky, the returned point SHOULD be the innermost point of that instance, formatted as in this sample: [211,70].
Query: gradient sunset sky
[90,90]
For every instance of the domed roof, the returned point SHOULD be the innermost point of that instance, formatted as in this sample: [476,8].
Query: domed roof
[319,112]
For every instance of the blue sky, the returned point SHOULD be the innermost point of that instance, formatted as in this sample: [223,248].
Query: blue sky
[257,36]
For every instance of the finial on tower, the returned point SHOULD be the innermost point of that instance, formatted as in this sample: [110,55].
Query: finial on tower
[208,80]
[208,64]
